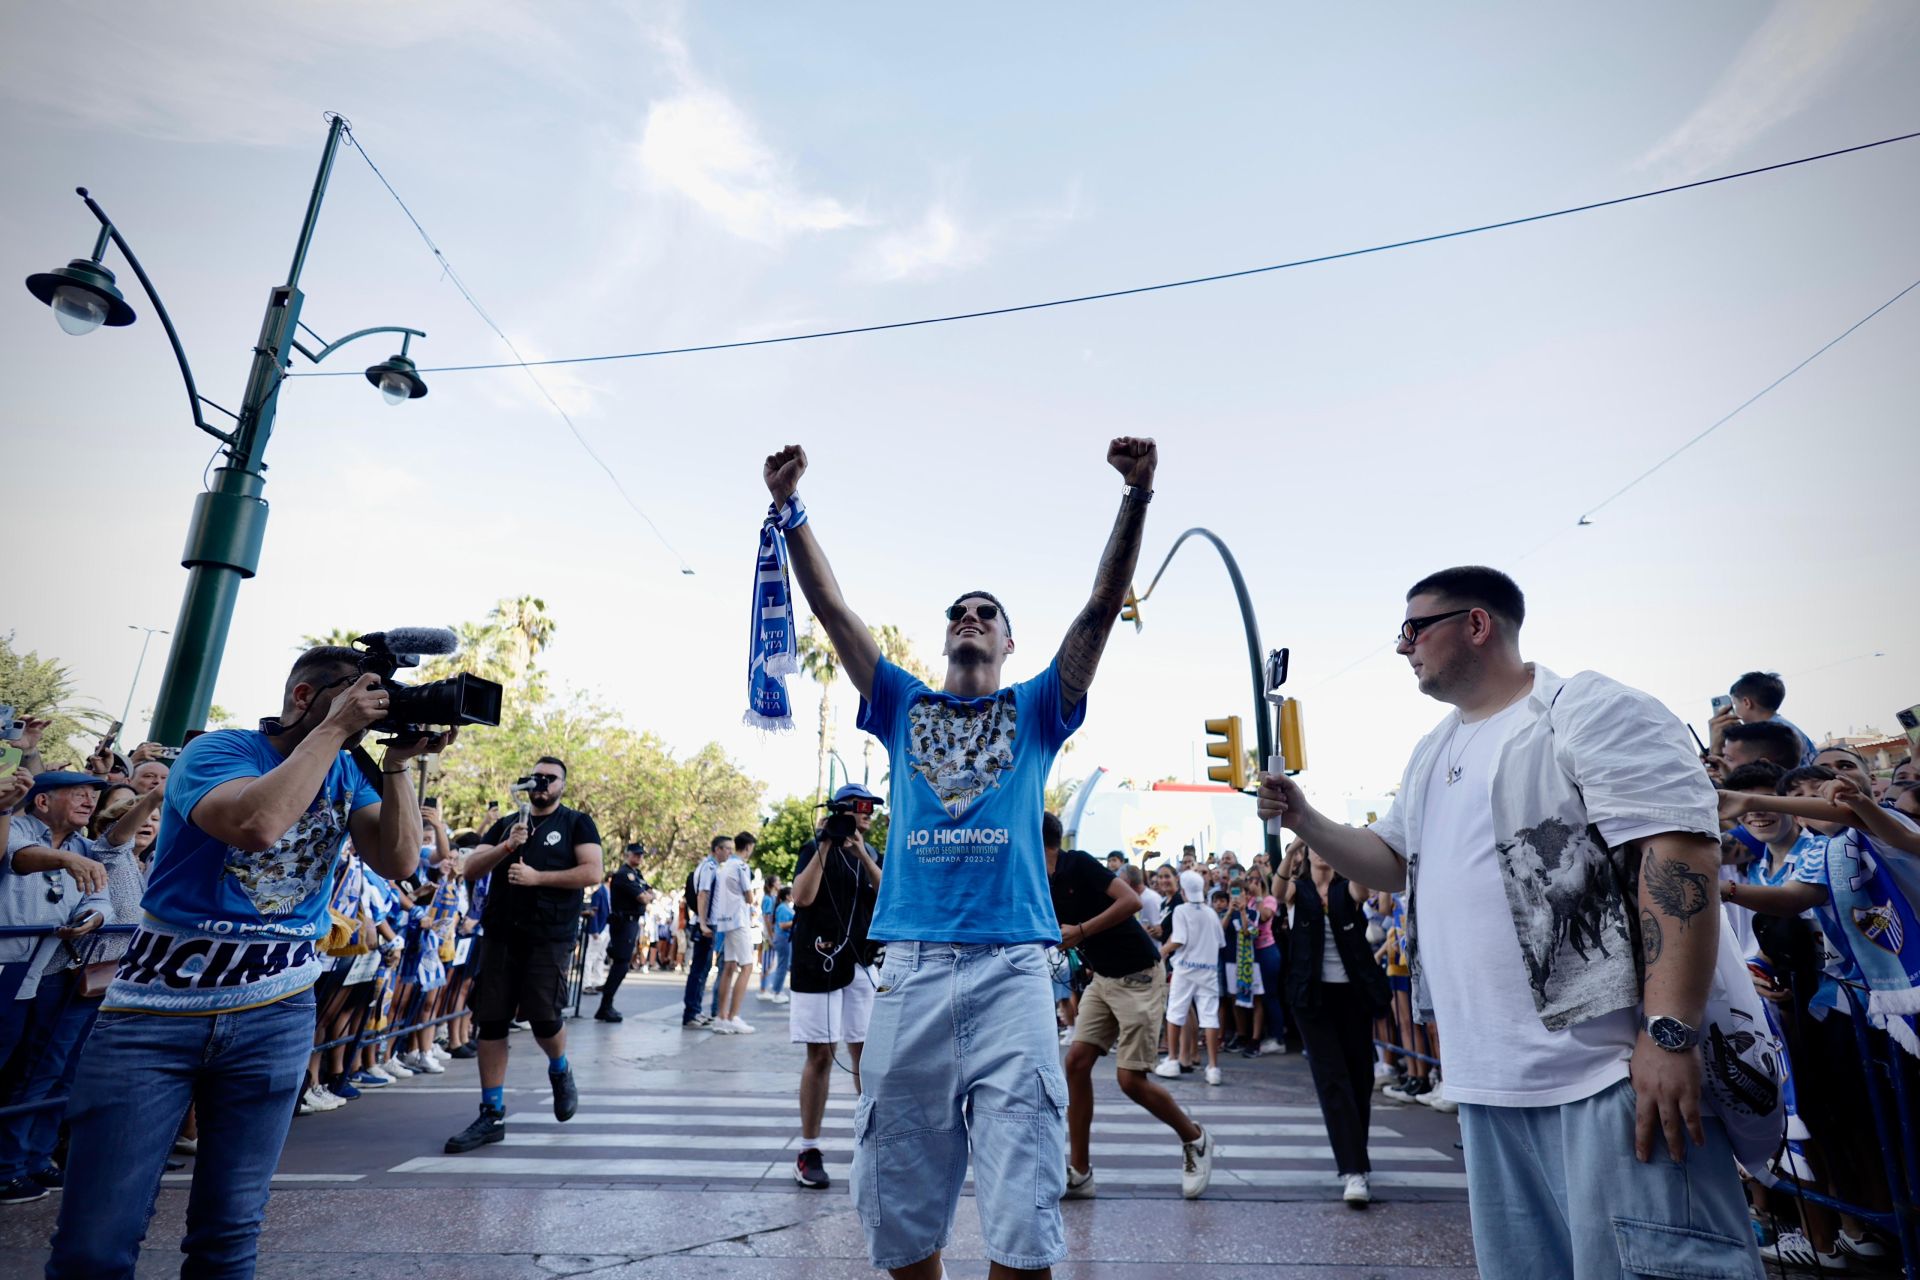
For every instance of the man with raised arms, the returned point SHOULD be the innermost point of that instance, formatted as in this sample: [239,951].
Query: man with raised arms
[961,1055]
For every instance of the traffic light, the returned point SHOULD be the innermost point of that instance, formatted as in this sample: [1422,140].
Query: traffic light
[1130,609]
[1234,771]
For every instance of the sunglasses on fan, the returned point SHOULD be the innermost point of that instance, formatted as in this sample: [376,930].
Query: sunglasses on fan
[985,612]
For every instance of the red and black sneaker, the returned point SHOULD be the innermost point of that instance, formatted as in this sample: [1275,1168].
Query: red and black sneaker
[810,1170]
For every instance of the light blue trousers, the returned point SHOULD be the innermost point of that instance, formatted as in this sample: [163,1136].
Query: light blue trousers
[1557,1192]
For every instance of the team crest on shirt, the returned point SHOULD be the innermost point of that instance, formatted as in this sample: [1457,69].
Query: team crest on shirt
[279,879]
[961,749]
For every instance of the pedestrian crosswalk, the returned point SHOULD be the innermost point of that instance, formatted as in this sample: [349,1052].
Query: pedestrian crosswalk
[636,1135]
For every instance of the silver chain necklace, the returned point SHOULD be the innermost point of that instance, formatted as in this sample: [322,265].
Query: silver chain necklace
[1453,759]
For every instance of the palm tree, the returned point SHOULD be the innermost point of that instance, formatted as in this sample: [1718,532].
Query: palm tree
[897,649]
[820,664]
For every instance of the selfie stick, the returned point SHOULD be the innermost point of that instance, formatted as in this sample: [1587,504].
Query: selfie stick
[1290,751]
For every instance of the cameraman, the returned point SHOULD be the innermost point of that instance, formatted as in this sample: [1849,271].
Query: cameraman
[834,891]
[631,896]
[213,1002]
[531,918]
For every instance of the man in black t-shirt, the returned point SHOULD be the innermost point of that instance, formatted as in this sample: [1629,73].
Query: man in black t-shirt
[1120,1010]
[835,885]
[629,895]
[531,918]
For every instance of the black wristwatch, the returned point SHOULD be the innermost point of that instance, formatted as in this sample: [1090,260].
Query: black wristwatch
[1135,493]
[1671,1034]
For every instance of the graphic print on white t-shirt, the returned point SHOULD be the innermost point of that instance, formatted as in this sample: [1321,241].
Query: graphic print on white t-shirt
[1494,1050]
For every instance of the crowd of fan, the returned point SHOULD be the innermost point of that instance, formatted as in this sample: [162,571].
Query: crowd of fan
[1821,874]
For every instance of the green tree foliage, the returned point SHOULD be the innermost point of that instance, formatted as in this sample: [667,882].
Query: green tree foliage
[40,688]
[633,783]
[790,825]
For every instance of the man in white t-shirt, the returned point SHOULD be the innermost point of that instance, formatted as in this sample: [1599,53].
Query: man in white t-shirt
[1558,842]
[725,908]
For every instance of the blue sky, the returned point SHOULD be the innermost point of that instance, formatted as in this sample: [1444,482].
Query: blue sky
[611,179]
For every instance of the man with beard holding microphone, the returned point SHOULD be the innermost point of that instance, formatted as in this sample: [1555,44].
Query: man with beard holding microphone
[961,1060]
[531,918]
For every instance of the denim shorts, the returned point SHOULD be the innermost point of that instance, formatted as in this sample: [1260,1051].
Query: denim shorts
[962,1059]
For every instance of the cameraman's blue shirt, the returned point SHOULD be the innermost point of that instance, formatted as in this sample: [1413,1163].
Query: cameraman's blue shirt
[224,929]
[964,856]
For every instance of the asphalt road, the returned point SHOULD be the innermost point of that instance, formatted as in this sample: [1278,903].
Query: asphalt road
[682,1153]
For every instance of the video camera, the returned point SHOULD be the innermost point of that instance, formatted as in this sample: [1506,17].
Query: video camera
[416,710]
[841,813]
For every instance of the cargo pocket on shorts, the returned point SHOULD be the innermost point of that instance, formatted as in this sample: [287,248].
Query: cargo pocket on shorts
[1050,1127]
[1656,1249]
[866,1172]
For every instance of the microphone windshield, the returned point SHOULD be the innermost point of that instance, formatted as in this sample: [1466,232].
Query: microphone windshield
[427,641]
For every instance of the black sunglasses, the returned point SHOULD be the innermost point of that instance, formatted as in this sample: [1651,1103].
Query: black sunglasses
[544,779]
[1410,629]
[985,612]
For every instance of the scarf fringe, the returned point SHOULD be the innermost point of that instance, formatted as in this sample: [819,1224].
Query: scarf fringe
[772,724]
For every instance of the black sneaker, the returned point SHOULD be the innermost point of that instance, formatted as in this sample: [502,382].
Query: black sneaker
[810,1170]
[22,1191]
[466,1050]
[489,1126]
[608,1015]
[566,1094]
[51,1177]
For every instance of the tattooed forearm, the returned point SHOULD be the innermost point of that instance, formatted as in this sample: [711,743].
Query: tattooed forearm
[1087,637]
[1677,889]
[1651,941]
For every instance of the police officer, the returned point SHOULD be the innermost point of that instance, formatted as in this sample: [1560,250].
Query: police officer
[631,895]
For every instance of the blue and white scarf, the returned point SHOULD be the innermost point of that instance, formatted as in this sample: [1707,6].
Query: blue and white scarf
[1871,921]
[773,651]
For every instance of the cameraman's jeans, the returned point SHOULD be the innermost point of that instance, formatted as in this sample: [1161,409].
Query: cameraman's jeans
[699,965]
[138,1073]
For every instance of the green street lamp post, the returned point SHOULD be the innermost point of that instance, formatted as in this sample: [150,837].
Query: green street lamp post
[230,517]
[1252,628]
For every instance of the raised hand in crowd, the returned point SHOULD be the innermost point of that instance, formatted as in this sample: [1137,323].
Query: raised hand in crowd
[14,788]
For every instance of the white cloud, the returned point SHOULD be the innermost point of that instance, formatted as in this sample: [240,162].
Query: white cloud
[700,145]
[1777,72]
[935,244]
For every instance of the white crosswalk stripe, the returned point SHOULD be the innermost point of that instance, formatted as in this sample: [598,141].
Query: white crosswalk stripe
[631,1134]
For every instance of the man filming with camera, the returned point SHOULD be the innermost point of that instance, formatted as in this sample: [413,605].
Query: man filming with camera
[836,883]
[531,918]
[213,1003]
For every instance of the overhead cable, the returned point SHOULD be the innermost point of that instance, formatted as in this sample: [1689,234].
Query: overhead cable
[1146,288]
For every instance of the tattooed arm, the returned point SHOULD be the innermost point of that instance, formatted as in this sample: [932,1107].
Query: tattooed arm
[1679,945]
[1079,656]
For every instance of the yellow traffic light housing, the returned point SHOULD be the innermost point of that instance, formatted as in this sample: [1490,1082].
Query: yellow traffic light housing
[1293,736]
[1231,750]
[1130,609]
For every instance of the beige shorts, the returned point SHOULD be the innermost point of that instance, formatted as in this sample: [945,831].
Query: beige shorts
[1123,1014]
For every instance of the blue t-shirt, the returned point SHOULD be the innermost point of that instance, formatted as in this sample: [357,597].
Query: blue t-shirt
[782,914]
[224,929]
[964,855]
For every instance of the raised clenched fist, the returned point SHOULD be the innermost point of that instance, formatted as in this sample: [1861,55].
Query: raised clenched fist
[782,472]
[1135,458]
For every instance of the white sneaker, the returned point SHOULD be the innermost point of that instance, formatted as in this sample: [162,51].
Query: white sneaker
[1169,1069]
[1213,1075]
[723,1027]
[1436,1098]
[376,1071]
[322,1100]
[439,1052]
[1196,1165]
[1080,1185]
[1858,1247]
[742,1026]
[1270,1045]
[306,1106]
[1066,1035]
[1793,1249]
[764,997]
[423,1064]
[397,1069]
[1383,1075]
[1359,1194]
[783,998]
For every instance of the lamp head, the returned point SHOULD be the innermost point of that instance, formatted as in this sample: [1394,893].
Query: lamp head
[397,379]
[82,295]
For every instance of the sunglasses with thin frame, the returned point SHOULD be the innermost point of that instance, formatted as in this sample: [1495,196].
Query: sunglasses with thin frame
[985,612]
